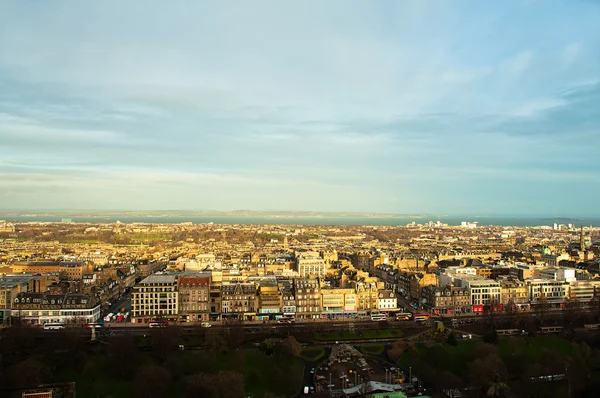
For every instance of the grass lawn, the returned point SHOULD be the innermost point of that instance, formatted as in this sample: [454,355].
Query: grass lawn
[262,373]
[361,335]
[451,358]
[372,349]
[312,354]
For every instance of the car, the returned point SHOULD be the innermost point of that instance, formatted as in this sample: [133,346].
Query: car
[206,325]
[312,370]
[312,390]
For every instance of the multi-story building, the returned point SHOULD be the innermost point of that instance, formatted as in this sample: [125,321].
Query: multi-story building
[310,264]
[367,297]
[308,298]
[338,302]
[10,287]
[386,301]
[514,292]
[420,280]
[39,308]
[483,292]
[238,301]
[555,292]
[447,299]
[288,298]
[216,280]
[194,296]
[269,299]
[72,270]
[155,296]
[584,291]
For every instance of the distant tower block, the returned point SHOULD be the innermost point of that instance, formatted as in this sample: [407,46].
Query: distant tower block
[581,240]
[285,241]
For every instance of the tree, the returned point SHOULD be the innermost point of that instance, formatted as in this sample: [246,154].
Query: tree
[120,350]
[164,341]
[235,334]
[541,308]
[512,312]
[396,350]
[572,310]
[595,306]
[151,381]
[491,337]
[483,371]
[223,384]
[449,383]
[452,339]
[27,373]
[214,342]
[491,311]
[291,346]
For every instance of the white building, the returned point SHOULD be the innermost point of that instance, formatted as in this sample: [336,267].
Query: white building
[483,291]
[40,308]
[558,274]
[155,295]
[584,290]
[310,264]
[554,291]
[386,300]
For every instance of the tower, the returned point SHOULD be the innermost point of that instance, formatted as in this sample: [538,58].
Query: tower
[581,240]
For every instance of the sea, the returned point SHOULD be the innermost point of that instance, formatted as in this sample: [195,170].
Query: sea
[313,220]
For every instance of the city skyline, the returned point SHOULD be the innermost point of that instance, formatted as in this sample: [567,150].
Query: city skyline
[403,108]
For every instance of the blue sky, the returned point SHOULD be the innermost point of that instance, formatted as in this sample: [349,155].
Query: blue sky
[456,107]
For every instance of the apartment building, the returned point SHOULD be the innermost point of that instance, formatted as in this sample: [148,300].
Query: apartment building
[367,296]
[269,299]
[483,291]
[338,302]
[288,298]
[238,301]
[584,291]
[447,299]
[10,287]
[309,264]
[72,270]
[386,301]
[308,298]
[38,308]
[154,296]
[194,296]
[514,291]
[553,290]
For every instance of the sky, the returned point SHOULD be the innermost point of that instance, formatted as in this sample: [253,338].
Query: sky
[448,107]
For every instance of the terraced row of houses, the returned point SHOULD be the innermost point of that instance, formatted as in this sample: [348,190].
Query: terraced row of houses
[205,296]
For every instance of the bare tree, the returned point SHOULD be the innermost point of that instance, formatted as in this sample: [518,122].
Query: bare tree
[595,306]
[541,308]
[151,381]
[491,311]
[512,312]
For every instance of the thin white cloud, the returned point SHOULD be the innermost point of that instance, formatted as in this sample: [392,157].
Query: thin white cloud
[571,54]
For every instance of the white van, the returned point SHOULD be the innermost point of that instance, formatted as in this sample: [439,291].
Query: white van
[306,389]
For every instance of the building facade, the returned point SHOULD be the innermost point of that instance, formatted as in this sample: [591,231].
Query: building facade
[40,308]
[194,296]
[155,296]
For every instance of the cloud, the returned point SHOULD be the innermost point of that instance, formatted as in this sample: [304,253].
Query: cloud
[520,63]
[571,53]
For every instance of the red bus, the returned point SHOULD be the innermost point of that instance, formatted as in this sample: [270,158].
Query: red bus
[158,323]
[421,317]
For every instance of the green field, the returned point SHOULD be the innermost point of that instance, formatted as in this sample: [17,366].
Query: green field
[312,354]
[372,349]
[451,358]
[262,373]
[361,335]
